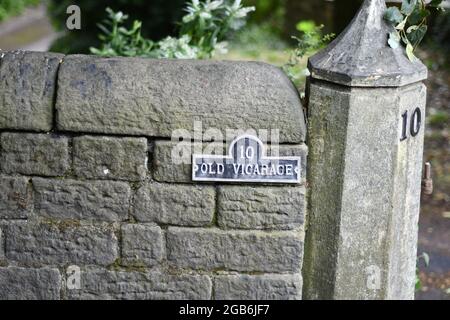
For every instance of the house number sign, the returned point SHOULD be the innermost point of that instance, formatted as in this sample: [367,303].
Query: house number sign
[246,162]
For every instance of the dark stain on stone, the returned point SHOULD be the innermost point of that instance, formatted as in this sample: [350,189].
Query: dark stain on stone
[80,85]
[24,69]
[22,202]
[98,75]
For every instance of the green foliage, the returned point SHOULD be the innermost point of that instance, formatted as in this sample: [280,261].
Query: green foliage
[14,7]
[254,40]
[270,14]
[203,31]
[306,26]
[159,16]
[410,22]
[121,41]
[208,23]
[310,40]
[418,283]
[439,119]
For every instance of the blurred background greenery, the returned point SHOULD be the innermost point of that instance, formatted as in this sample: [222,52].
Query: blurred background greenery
[267,36]
[10,8]
[273,20]
[40,25]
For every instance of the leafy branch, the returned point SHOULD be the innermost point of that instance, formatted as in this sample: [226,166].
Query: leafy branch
[310,40]
[410,22]
[209,23]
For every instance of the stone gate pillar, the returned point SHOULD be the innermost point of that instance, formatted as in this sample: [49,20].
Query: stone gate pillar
[366,129]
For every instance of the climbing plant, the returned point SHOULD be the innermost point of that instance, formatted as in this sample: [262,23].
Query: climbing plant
[410,22]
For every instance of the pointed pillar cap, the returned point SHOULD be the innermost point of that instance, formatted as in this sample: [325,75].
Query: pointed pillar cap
[361,56]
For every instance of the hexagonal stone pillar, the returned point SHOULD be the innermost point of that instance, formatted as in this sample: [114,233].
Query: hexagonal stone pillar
[366,129]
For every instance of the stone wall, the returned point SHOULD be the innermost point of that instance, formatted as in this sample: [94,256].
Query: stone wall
[86,180]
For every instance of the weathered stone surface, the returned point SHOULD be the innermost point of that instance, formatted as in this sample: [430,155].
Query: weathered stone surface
[407,192]
[365,191]
[84,200]
[211,249]
[155,97]
[29,284]
[106,285]
[27,89]
[37,244]
[172,160]
[142,245]
[34,154]
[259,287]
[365,36]
[15,198]
[2,246]
[247,207]
[110,158]
[324,175]
[175,204]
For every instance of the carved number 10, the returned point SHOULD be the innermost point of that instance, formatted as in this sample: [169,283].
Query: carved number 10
[414,126]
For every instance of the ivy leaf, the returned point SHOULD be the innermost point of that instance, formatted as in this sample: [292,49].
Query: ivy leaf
[418,15]
[394,40]
[412,28]
[426,258]
[415,35]
[418,284]
[408,6]
[410,52]
[401,25]
[393,15]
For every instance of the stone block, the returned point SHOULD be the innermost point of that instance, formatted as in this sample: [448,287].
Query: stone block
[27,89]
[142,245]
[175,204]
[45,244]
[248,207]
[250,251]
[149,97]
[29,284]
[34,154]
[81,200]
[108,285]
[110,158]
[258,287]
[15,197]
